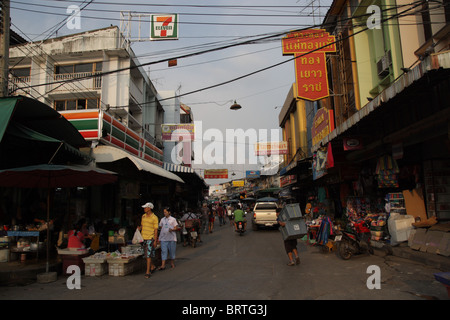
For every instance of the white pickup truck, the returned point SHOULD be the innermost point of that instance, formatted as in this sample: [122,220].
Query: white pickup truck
[264,214]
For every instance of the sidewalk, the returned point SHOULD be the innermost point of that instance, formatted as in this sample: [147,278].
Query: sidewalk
[430,259]
[20,274]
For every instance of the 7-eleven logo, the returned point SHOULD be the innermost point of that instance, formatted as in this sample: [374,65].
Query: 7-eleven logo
[164,27]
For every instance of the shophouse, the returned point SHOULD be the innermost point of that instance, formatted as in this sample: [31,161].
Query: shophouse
[96,82]
[388,109]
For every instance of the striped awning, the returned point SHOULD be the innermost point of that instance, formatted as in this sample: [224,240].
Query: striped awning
[177,168]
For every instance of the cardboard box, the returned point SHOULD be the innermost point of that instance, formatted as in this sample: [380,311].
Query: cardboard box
[419,239]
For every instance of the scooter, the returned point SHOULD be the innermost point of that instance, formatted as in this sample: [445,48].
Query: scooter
[191,234]
[355,240]
[240,228]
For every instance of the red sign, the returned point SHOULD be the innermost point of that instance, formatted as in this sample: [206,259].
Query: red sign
[287,180]
[323,124]
[309,48]
[216,174]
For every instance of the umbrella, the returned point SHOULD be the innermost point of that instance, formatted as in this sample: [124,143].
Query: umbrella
[267,199]
[249,199]
[54,176]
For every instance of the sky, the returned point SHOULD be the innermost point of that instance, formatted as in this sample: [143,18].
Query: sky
[206,25]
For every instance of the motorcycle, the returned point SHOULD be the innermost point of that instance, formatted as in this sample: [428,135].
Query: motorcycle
[190,232]
[240,228]
[354,240]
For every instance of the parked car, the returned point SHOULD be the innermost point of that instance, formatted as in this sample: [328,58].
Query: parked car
[264,215]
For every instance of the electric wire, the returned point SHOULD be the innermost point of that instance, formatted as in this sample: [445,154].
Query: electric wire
[227,46]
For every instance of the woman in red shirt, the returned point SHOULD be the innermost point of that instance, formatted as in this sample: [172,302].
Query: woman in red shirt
[76,237]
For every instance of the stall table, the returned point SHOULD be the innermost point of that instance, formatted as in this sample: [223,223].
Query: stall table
[23,234]
[73,257]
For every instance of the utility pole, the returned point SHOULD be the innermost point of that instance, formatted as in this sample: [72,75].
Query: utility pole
[4,47]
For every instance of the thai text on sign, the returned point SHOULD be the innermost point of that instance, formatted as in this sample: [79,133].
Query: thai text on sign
[269,148]
[310,67]
[216,174]
[323,124]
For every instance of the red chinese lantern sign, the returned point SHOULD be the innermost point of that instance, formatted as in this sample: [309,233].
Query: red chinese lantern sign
[309,48]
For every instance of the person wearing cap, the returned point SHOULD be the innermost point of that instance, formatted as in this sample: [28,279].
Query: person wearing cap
[149,230]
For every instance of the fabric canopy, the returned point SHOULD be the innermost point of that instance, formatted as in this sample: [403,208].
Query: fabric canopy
[177,168]
[6,110]
[111,154]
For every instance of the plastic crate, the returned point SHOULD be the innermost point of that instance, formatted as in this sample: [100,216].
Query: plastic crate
[290,212]
[294,229]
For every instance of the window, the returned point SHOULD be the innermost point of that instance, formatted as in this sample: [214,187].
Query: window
[78,104]
[265,206]
[84,67]
[79,68]
[21,72]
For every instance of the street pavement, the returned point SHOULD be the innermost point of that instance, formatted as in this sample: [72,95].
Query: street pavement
[227,266]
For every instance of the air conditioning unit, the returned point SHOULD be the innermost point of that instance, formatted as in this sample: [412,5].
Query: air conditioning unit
[383,65]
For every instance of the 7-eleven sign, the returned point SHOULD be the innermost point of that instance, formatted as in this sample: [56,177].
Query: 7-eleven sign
[164,27]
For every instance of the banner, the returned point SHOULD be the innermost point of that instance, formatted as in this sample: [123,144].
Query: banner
[216,174]
[269,148]
[174,132]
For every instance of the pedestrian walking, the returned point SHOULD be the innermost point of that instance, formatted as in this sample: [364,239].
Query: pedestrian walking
[211,218]
[230,214]
[149,231]
[221,214]
[289,245]
[168,238]
[205,217]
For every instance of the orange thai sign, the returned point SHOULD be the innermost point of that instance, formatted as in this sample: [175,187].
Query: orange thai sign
[309,48]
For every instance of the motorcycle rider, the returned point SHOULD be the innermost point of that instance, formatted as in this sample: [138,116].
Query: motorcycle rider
[239,215]
[190,216]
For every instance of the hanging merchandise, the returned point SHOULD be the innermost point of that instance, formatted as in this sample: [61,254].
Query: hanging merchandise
[325,230]
[387,172]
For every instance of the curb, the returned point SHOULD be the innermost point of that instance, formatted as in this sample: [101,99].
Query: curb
[433,260]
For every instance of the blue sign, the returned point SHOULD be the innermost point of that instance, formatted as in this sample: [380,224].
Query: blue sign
[252,174]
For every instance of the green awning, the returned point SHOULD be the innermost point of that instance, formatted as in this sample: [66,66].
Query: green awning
[21,131]
[6,110]
[29,120]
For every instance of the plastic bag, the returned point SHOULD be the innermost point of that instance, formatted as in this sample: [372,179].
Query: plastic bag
[137,238]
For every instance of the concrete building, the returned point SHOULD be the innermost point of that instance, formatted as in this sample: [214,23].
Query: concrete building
[388,98]
[95,81]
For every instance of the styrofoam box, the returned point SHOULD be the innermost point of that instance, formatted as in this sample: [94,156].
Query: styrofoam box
[94,267]
[400,227]
[122,267]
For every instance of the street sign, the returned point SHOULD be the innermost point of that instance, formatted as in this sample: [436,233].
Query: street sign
[309,48]
[164,27]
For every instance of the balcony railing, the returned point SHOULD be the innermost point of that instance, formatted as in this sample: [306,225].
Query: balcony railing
[88,80]
[19,85]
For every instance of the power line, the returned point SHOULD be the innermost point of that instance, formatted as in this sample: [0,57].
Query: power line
[251,41]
